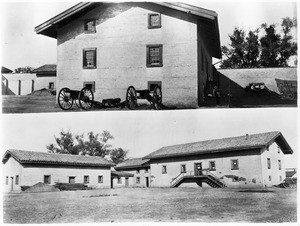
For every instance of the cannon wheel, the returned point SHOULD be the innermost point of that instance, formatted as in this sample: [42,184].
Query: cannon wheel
[157,97]
[131,98]
[64,99]
[86,98]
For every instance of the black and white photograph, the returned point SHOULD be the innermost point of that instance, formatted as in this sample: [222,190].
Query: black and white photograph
[147,112]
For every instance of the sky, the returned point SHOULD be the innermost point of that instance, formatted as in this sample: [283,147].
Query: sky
[21,46]
[142,132]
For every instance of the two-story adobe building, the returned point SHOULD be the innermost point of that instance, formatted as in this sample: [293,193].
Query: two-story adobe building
[26,168]
[133,172]
[250,161]
[111,46]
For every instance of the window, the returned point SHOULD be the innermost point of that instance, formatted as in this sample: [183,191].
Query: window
[6,180]
[138,180]
[47,179]
[89,85]
[17,179]
[279,164]
[154,56]
[234,164]
[269,163]
[235,179]
[51,85]
[154,20]
[90,26]
[119,180]
[100,179]
[72,180]
[138,171]
[183,169]
[153,84]
[280,178]
[86,179]
[146,170]
[270,178]
[212,166]
[90,58]
[164,169]
[278,149]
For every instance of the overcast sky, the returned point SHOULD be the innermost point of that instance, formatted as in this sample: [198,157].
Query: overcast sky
[142,132]
[21,46]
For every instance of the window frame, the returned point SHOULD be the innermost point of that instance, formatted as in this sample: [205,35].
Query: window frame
[164,169]
[160,64]
[100,179]
[93,83]
[6,180]
[155,83]
[138,180]
[150,26]
[279,164]
[47,181]
[51,84]
[212,168]
[233,166]
[268,163]
[85,27]
[86,181]
[17,180]
[71,177]
[84,63]
[270,178]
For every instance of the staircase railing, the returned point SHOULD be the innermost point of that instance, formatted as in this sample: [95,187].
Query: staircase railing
[205,172]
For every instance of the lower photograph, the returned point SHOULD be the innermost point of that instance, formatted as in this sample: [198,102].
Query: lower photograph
[180,166]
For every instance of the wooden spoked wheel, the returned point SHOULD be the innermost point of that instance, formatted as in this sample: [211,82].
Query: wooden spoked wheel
[157,97]
[64,99]
[86,99]
[131,98]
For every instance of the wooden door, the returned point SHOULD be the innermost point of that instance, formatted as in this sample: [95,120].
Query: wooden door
[198,169]
[147,182]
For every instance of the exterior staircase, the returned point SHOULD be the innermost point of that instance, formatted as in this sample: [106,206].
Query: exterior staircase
[204,177]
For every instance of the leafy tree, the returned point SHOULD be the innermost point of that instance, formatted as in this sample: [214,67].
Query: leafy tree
[118,155]
[94,145]
[25,69]
[268,50]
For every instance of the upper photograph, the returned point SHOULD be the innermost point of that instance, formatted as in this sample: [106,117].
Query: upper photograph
[100,56]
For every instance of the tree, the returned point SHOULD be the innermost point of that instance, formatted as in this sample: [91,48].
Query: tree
[118,155]
[269,50]
[25,69]
[94,145]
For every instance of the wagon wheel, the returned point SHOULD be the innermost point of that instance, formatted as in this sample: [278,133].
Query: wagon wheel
[64,99]
[131,98]
[86,98]
[157,97]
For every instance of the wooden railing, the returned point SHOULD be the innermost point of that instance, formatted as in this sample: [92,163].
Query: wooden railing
[204,172]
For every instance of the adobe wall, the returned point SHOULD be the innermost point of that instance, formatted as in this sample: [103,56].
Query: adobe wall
[121,39]
[10,170]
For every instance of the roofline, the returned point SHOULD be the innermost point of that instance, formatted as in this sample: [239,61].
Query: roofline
[63,15]
[284,141]
[206,152]
[132,166]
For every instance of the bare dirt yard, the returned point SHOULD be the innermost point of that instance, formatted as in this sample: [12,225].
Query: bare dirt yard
[152,205]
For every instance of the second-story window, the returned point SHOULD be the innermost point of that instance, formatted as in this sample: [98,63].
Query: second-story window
[154,55]
[183,169]
[90,26]
[212,166]
[154,20]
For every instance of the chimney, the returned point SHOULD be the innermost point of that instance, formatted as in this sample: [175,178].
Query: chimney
[247,136]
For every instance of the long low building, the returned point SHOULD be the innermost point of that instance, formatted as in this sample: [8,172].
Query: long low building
[249,161]
[26,168]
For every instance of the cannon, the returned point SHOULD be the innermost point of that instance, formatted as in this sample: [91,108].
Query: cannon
[84,99]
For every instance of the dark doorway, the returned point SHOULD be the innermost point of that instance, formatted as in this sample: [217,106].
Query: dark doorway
[198,169]
[126,182]
[72,180]
[112,183]
[12,184]
[147,182]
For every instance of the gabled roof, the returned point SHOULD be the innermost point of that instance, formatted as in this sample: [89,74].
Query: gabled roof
[210,18]
[5,70]
[25,157]
[132,163]
[121,174]
[45,68]
[246,142]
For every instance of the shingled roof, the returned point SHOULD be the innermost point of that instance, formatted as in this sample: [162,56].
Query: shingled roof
[25,157]
[223,145]
[132,163]
[208,17]
[121,174]
[45,68]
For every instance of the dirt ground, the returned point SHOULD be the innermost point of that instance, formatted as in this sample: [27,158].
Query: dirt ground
[152,205]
